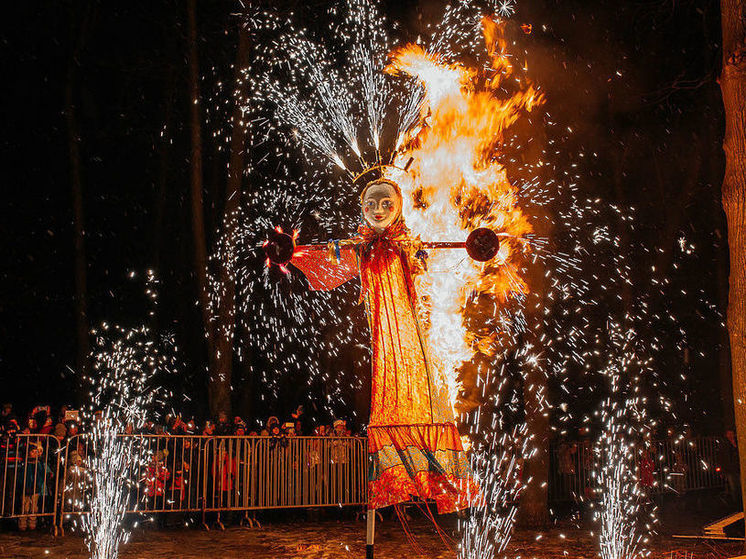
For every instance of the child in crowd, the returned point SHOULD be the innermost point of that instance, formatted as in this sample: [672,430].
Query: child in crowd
[31,483]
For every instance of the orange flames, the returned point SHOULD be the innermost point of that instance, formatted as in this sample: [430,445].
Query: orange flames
[455,184]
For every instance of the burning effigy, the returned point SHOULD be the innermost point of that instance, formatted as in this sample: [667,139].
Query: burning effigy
[439,175]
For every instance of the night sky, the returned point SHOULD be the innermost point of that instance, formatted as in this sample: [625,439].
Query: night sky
[636,82]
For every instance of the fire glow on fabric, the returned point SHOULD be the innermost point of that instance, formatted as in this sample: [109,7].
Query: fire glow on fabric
[455,184]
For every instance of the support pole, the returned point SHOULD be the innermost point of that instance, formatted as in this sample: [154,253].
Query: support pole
[371,517]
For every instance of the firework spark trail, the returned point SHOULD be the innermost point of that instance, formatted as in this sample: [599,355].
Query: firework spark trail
[369,46]
[496,462]
[125,364]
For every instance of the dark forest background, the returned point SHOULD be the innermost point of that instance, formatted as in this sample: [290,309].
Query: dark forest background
[635,81]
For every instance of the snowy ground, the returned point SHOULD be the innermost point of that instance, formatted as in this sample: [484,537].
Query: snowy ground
[327,539]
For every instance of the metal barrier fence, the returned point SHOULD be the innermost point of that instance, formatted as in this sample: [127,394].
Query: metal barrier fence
[38,478]
[28,478]
[200,473]
[665,466]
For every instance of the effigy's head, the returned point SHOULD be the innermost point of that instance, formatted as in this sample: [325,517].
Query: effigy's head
[381,201]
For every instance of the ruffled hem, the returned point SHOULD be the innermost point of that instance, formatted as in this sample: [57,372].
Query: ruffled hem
[425,461]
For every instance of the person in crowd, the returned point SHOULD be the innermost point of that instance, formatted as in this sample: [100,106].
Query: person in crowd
[76,478]
[679,469]
[47,426]
[32,484]
[148,428]
[175,425]
[339,454]
[646,467]
[278,435]
[12,456]
[224,472]
[60,433]
[72,429]
[314,452]
[209,429]
[156,477]
[7,413]
[239,427]
[340,428]
[301,421]
[31,427]
[272,422]
[11,427]
[41,415]
[183,455]
[223,426]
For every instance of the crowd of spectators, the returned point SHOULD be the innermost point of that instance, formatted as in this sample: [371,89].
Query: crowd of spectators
[66,424]
[27,462]
[39,421]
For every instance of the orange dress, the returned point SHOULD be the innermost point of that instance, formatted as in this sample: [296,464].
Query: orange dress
[413,443]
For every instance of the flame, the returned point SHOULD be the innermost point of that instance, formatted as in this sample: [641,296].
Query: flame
[455,184]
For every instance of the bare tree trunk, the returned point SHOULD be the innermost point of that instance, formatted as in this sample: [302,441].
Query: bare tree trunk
[733,87]
[76,183]
[225,313]
[198,218]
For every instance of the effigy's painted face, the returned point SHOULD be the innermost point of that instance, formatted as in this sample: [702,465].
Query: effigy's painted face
[381,206]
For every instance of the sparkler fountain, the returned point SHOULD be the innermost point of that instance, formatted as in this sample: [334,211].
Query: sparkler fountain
[126,363]
[623,418]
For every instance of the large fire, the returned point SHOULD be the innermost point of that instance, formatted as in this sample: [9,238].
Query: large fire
[455,183]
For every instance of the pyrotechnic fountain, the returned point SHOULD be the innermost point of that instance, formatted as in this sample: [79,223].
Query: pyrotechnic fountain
[620,516]
[123,393]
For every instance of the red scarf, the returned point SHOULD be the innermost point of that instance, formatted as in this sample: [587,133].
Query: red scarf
[378,248]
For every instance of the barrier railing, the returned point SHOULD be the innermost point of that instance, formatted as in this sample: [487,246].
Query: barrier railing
[40,479]
[28,478]
[185,473]
[672,466]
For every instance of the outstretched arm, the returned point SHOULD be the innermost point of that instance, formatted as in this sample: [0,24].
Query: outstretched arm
[326,268]
[325,265]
